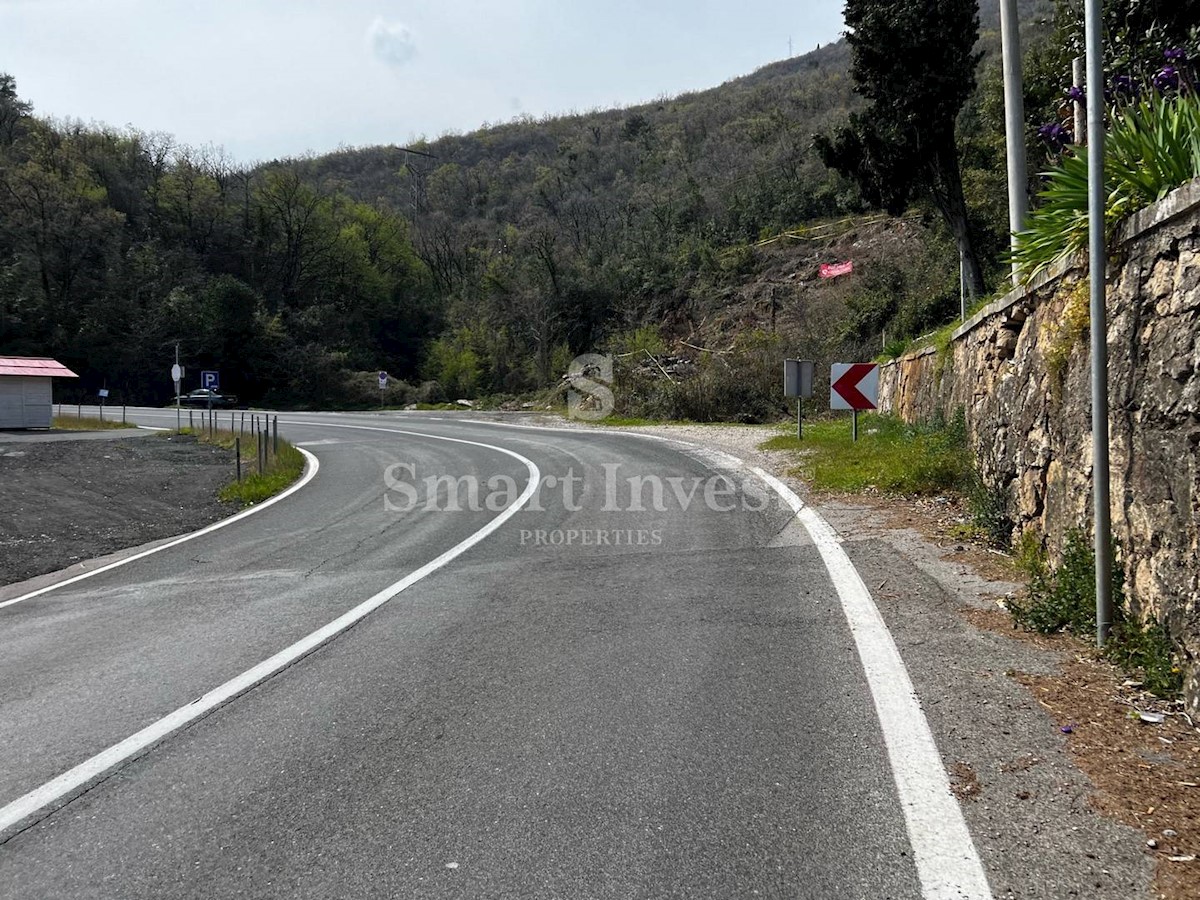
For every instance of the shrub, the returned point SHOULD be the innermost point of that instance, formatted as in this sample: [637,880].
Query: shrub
[1151,148]
[1064,599]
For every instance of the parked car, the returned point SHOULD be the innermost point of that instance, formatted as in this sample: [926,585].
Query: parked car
[201,398]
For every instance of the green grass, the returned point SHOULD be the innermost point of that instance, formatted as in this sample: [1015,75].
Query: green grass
[282,469]
[87,423]
[889,455]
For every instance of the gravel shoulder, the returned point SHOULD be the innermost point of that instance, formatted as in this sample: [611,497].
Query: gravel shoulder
[66,501]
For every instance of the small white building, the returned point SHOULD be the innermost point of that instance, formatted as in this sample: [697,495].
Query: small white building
[26,396]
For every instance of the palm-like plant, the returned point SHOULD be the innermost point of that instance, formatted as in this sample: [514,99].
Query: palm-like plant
[1152,147]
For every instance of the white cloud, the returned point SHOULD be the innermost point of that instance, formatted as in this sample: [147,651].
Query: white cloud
[392,43]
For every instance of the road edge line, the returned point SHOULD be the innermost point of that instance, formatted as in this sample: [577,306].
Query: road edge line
[76,779]
[311,465]
[947,861]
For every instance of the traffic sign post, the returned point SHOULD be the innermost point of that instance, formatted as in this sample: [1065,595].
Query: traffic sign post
[798,383]
[177,377]
[854,386]
[383,378]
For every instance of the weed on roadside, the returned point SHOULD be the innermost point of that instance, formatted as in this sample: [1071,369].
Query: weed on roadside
[1064,599]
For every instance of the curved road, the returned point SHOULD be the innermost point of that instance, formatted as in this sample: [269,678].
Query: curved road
[603,697]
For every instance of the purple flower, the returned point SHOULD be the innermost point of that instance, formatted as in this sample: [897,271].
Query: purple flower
[1124,86]
[1077,95]
[1167,79]
[1055,136]
[1175,55]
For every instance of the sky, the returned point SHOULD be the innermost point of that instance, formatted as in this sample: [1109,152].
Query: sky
[272,78]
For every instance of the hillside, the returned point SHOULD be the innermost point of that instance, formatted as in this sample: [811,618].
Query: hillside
[482,262]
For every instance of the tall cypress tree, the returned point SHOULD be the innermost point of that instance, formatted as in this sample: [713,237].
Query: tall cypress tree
[914,61]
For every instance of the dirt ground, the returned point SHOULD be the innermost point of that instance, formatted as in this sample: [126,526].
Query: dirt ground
[65,501]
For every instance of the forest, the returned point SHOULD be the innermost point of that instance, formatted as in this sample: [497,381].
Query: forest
[478,265]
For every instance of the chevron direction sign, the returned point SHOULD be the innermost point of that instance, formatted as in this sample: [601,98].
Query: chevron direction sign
[854,386]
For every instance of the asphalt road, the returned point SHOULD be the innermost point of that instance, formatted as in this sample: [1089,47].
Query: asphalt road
[594,700]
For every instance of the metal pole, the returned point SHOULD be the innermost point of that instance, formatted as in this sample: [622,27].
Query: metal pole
[178,424]
[1014,123]
[962,287]
[1097,274]
[854,426]
[237,453]
[275,438]
[799,418]
[123,422]
[1077,79]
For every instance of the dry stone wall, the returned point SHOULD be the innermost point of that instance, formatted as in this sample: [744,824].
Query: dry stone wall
[1019,369]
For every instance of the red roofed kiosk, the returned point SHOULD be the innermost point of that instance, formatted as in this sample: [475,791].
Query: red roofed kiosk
[26,398]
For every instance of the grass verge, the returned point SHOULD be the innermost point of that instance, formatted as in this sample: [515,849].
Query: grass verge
[86,423]
[889,455]
[282,468]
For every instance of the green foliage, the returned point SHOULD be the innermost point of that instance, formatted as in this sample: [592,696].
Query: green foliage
[454,364]
[1151,148]
[1064,599]
[87,423]
[915,64]
[282,469]
[1147,651]
[889,456]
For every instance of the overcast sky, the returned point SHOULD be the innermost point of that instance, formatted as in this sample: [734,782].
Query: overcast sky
[270,78]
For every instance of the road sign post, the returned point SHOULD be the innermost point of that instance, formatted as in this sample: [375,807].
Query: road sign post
[854,387]
[383,378]
[177,377]
[798,383]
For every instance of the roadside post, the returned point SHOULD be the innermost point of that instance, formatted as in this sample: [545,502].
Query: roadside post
[210,380]
[177,377]
[383,377]
[1097,279]
[798,383]
[237,454]
[103,397]
[854,386]
[275,437]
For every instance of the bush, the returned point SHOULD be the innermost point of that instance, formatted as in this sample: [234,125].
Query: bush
[741,386]
[1064,599]
[1151,148]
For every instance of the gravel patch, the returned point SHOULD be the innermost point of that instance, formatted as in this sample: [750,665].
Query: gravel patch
[66,501]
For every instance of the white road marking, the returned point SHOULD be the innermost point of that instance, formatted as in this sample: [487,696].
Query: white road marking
[81,775]
[309,474]
[948,865]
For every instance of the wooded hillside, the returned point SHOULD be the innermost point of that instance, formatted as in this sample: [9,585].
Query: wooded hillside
[483,262]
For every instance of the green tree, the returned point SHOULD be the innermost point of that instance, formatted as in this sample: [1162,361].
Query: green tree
[914,61]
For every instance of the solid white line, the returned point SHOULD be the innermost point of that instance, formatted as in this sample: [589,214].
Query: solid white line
[310,472]
[947,863]
[82,774]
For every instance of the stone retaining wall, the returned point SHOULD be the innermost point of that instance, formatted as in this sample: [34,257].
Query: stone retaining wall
[1020,370]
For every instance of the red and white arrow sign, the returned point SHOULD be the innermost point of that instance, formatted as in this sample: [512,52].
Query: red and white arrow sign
[854,386]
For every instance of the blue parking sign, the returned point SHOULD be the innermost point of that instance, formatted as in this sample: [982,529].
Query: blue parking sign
[210,380]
